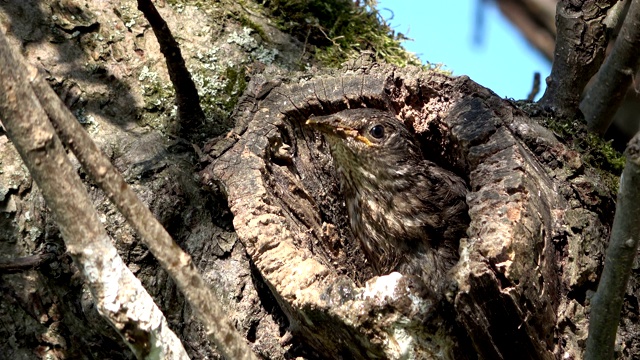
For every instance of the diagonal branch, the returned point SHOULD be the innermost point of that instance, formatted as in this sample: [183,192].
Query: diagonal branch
[34,261]
[606,304]
[603,98]
[114,288]
[190,113]
[536,21]
[175,261]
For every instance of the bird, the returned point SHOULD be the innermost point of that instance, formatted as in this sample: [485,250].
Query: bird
[407,213]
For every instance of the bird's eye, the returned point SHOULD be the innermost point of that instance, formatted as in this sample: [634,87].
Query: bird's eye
[377,131]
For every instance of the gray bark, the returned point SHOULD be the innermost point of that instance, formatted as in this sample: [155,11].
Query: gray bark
[264,221]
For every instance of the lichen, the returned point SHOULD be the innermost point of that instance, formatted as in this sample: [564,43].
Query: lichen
[87,120]
[251,45]
[158,100]
[243,39]
[219,84]
[246,22]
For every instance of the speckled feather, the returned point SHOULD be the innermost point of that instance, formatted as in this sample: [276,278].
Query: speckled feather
[407,213]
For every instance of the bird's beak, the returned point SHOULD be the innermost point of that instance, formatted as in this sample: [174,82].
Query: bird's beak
[326,124]
[332,126]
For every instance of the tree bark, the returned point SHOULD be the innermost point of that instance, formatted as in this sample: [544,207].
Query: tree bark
[525,217]
[259,209]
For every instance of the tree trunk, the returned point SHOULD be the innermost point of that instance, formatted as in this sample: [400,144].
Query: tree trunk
[259,208]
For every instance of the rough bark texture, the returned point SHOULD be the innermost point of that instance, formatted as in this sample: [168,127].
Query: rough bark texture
[525,269]
[105,63]
[295,284]
[581,41]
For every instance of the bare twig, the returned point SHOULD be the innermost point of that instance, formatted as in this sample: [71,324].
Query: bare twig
[535,88]
[175,261]
[35,261]
[114,288]
[606,304]
[604,97]
[580,48]
[190,113]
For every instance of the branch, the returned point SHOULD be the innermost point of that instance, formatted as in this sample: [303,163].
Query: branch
[580,48]
[35,261]
[606,304]
[536,21]
[114,288]
[604,97]
[535,88]
[190,113]
[175,261]
[616,15]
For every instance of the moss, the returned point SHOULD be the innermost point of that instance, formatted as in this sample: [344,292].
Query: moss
[341,30]
[596,152]
[219,94]
[602,153]
[235,86]
[158,100]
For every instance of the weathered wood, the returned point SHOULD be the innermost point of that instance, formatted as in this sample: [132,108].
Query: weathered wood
[288,213]
[539,216]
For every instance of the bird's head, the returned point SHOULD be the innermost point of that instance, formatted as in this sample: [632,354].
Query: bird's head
[368,138]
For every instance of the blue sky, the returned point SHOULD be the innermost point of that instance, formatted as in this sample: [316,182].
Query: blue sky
[443,32]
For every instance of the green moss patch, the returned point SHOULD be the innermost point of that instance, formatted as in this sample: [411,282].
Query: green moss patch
[595,151]
[340,30]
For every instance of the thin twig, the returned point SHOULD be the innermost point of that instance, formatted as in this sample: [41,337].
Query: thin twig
[190,112]
[536,21]
[535,88]
[18,265]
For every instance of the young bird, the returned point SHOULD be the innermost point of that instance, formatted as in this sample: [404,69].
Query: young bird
[407,213]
